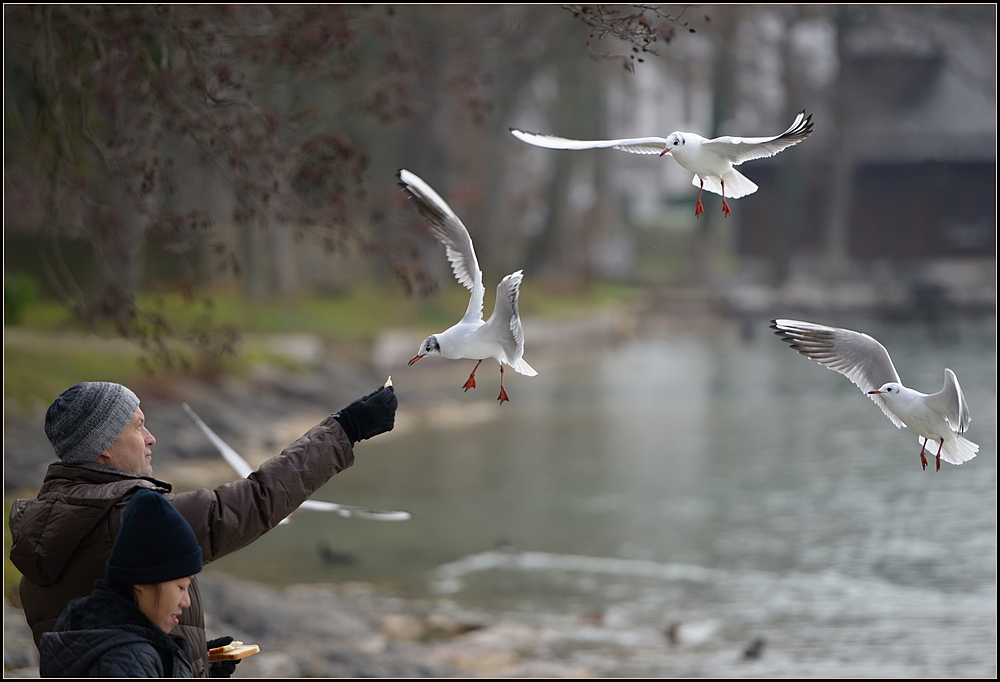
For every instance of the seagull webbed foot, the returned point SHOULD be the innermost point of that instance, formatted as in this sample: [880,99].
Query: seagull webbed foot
[503,394]
[471,383]
[699,209]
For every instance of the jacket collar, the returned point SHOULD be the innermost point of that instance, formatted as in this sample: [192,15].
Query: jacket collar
[93,472]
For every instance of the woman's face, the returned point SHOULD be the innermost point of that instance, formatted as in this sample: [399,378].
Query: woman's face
[163,602]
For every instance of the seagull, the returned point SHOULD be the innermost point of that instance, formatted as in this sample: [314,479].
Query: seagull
[499,337]
[244,470]
[711,161]
[938,417]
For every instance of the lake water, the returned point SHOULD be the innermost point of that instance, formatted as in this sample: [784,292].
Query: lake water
[726,486]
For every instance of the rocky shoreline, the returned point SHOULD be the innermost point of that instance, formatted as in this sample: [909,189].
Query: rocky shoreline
[346,630]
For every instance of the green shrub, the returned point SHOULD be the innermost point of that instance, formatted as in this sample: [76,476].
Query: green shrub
[18,291]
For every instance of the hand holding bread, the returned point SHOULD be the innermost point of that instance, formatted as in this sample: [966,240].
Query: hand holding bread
[233,651]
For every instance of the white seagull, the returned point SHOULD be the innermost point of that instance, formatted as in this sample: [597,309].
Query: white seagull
[711,161]
[243,469]
[938,417]
[499,337]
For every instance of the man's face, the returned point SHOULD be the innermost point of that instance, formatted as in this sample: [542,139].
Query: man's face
[132,451]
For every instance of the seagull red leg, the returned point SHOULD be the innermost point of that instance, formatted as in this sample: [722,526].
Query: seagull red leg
[503,394]
[725,206]
[471,383]
[923,460]
[699,209]
[938,462]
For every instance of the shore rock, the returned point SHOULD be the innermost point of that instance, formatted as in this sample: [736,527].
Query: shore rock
[347,630]
[20,657]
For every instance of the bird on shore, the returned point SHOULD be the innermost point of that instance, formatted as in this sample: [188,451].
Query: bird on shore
[755,650]
[937,418]
[499,337]
[243,468]
[711,160]
[332,557]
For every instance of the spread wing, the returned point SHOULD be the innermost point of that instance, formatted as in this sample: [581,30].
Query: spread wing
[360,512]
[740,149]
[857,356]
[635,145]
[243,469]
[950,403]
[231,456]
[505,323]
[450,231]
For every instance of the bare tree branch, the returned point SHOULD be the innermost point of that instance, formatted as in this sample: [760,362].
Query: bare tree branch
[642,26]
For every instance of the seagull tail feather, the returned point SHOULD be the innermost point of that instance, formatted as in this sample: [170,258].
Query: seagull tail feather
[737,184]
[522,367]
[955,451]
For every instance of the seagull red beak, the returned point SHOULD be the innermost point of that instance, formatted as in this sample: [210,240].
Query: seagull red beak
[664,152]
[874,392]
[414,359]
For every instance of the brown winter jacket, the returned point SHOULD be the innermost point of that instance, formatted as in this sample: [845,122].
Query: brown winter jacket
[62,538]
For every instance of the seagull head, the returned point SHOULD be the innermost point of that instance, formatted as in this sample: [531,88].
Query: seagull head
[430,346]
[675,140]
[890,389]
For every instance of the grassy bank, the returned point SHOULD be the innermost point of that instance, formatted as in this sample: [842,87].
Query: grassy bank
[49,350]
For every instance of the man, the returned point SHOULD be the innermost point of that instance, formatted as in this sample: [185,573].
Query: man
[62,538]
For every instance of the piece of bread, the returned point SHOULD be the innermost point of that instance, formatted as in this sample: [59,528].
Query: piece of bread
[232,651]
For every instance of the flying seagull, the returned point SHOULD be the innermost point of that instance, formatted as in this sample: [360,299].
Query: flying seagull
[499,337]
[936,418]
[243,469]
[711,161]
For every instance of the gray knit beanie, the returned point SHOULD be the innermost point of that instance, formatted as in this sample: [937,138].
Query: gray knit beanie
[87,418]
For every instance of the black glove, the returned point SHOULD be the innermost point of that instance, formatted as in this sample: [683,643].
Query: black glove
[221,668]
[369,416]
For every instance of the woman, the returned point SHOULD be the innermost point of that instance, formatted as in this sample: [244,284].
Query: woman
[122,629]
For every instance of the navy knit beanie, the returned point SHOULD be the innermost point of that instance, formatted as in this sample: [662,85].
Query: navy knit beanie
[87,418]
[155,543]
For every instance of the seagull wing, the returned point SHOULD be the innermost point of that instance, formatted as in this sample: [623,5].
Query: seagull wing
[950,403]
[505,323]
[450,231]
[857,356]
[231,456]
[358,512]
[635,145]
[244,470]
[739,149]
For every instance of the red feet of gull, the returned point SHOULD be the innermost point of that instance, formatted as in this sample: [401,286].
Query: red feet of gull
[471,383]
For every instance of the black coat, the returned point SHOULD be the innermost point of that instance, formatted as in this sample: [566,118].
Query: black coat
[106,635]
